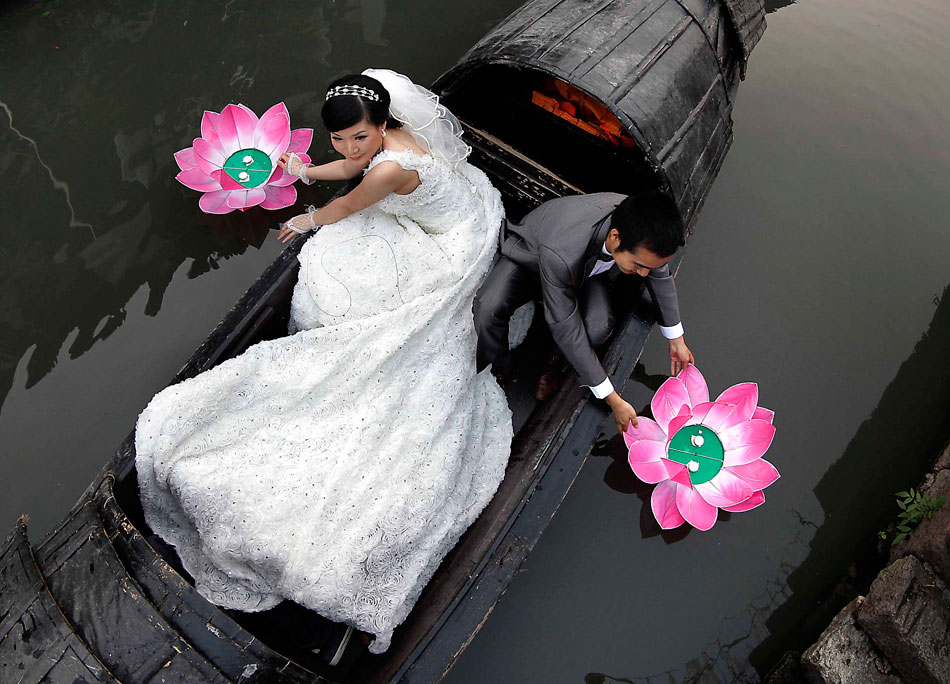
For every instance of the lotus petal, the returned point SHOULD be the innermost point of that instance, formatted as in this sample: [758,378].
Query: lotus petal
[255,196]
[300,140]
[251,112]
[273,132]
[207,157]
[226,181]
[695,385]
[758,474]
[305,158]
[697,511]
[745,396]
[215,202]
[238,199]
[725,489]
[186,158]
[196,179]
[280,178]
[646,429]
[236,129]
[651,473]
[754,501]
[680,420]
[278,198]
[209,130]
[746,441]
[677,472]
[667,402]
[762,413]
[711,414]
[223,134]
[663,504]
[646,451]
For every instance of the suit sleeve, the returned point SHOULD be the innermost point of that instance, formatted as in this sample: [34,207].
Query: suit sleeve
[662,289]
[563,316]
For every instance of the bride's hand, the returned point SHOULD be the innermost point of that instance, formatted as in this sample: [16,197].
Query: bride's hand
[293,165]
[297,225]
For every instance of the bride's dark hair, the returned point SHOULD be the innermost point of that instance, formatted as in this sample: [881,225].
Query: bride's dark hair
[343,111]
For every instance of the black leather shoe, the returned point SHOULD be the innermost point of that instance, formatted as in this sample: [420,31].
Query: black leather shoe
[550,379]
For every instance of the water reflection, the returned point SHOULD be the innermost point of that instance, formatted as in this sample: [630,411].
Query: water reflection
[373,15]
[90,208]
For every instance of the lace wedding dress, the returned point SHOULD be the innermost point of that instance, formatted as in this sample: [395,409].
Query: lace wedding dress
[336,467]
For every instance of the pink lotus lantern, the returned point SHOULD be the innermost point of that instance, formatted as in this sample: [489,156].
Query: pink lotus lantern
[234,162]
[704,455]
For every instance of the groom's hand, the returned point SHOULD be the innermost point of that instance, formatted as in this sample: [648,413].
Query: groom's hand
[680,355]
[624,413]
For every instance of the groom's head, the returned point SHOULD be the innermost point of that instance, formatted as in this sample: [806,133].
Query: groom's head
[645,232]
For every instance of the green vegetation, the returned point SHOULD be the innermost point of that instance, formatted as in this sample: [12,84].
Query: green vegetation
[915,506]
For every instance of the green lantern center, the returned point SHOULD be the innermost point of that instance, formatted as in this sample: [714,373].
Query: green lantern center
[699,449]
[249,167]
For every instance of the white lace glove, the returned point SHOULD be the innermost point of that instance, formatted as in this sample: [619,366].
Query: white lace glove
[303,223]
[297,167]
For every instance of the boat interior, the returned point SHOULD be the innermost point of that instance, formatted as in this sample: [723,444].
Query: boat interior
[531,153]
[568,137]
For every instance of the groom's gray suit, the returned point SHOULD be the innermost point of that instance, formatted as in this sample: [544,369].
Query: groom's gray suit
[551,254]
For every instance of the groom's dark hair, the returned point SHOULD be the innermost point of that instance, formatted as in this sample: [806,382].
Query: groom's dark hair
[651,220]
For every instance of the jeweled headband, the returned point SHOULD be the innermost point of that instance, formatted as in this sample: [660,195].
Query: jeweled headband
[353,90]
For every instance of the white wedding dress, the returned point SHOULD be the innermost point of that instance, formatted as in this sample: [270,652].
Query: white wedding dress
[336,467]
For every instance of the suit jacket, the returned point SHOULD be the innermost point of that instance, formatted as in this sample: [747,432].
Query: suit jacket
[560,241]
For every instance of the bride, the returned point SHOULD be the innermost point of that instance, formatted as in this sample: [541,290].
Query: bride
[336,467]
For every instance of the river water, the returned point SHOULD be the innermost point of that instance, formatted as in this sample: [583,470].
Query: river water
[819,269]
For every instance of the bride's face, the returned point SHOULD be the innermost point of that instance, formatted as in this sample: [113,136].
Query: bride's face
[358,143]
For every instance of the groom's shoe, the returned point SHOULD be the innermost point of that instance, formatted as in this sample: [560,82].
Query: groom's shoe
[550,378]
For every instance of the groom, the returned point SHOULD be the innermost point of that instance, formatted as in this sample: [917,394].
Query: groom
[571,252]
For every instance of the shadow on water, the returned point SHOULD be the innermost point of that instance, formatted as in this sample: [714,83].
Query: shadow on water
[910,425]
[81,258]
[620,478]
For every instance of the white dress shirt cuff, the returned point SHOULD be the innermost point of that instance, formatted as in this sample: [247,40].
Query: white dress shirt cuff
[603,390]
[673,331]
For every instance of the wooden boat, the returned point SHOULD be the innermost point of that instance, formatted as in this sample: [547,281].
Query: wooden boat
[637,94]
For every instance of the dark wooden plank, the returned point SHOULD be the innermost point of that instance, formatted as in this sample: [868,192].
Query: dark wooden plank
[109,611]
[37,644]
[211,631]
[748,22]
[605,35]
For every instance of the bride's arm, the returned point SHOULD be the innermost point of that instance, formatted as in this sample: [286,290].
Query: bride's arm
[383,179]
[341,169]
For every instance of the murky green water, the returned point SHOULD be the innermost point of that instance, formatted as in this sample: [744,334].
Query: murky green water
[819,269]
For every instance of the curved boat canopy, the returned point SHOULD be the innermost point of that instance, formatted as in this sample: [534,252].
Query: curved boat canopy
[620,95]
